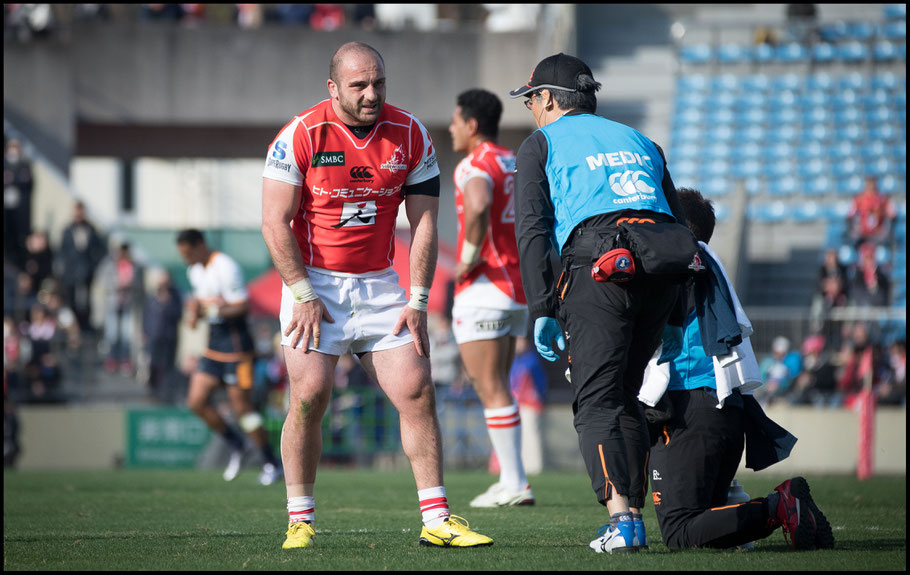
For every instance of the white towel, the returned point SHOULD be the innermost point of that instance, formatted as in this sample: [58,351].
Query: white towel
[743,373]
[656,379]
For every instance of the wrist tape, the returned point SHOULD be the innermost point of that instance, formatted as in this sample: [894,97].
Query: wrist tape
[420,296]
[303,291]
[469,252]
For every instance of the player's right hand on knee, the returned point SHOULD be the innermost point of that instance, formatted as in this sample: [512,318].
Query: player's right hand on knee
[305,321]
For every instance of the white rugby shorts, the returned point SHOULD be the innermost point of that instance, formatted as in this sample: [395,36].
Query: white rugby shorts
[482,311]
[365,309]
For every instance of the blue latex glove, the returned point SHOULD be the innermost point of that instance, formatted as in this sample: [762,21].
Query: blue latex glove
[673,339]
[546,329]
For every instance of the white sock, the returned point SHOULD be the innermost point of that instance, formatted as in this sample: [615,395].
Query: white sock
[434,507]
[504,427]
[301,509]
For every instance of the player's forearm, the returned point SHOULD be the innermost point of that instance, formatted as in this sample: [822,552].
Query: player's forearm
[282,245]
[232,310]
[476,224]
[424,249]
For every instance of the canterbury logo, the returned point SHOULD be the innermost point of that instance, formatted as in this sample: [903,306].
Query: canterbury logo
[361,173]
[629,183]
[635,221]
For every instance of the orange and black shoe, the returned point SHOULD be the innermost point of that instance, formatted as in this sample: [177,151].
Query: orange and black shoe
[804,525]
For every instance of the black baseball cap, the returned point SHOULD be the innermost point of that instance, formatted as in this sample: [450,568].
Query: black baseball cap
[557,72]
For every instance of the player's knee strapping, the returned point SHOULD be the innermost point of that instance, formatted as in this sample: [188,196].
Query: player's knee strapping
[250,422]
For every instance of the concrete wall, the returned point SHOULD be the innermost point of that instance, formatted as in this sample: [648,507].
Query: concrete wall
[146,73]
[93,438]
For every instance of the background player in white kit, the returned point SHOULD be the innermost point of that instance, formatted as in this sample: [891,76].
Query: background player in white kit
[332,186]
[219,295]
[489,311]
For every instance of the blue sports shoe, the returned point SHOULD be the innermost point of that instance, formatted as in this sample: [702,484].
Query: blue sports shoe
[641,539]
[618,540]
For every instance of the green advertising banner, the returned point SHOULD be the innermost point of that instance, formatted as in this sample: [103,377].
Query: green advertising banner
[164,438]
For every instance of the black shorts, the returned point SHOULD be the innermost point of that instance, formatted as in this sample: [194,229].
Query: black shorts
[239,373]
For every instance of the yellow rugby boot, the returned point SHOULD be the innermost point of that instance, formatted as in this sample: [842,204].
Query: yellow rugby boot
[300,534]
[453,532]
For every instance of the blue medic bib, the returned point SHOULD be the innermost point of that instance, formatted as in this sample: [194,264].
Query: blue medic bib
[596,166]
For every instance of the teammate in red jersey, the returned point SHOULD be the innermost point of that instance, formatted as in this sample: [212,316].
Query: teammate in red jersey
[489,310]
[332,184]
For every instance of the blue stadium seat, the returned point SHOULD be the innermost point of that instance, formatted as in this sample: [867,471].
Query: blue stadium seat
[715,169]
[791,52]
[808,211]
[852,81]
[774,212]
[755,83]
[818,186]
[717,187]
[692,83]
[811,151]
[696,54]
[720,133]
[762,53]
[847,115]
[880,114]
[819,81]
[816,116]
[883,81]
[896,30]
[780,169]
[787,82]
[748,101]
[849,186]
[861,30]
[814,99]
[881,167]
[823,52]
[690,99]
[900,100]
[882,255]
[725,83]
[690,116]
[842,150]
[889,184]
[733,54]
[783,184]
[783,116]
[719,151]
[787,133]
[846,167]
[751,116]
[686,135]
[720,116]
[813,168]
[895,11]
[751,133]
[846,255]
[852,51]
[833,31]
[746,168]
[885,51]
[874,150]
[754,186]
[721,211]
[852,132]
[816,132]
[876,97]
[884,132]
[780,150]
[846,97]
[721,99]
[750,151]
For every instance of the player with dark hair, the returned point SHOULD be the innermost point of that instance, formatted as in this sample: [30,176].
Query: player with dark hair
[333,182]
[697,449]
[489,310]
[220,296]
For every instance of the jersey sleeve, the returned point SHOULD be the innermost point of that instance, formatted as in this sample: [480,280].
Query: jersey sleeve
[283,162]
[231,278]
[423,164]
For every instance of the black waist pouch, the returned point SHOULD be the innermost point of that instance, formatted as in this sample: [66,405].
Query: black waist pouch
[663,248]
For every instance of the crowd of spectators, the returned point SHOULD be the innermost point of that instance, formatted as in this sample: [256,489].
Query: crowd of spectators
[25,22]
[834,371]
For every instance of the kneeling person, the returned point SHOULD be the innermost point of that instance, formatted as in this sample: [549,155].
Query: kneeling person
[695,454]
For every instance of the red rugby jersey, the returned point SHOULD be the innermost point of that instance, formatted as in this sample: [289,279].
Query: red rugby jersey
[351,188]
[496,165]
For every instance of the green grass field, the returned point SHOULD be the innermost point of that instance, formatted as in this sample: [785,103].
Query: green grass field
[368,520]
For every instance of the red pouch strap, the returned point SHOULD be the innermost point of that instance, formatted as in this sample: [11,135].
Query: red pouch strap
[615,266]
